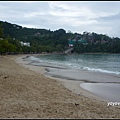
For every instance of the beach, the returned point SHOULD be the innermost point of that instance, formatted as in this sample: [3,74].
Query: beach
[27,92]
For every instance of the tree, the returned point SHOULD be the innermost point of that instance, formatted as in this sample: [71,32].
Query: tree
[6,47]
[1,30]
[59,48]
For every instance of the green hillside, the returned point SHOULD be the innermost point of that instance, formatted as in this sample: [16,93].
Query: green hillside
[43,40]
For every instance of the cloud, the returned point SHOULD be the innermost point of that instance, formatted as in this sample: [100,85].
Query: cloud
[114,17]
[76,16]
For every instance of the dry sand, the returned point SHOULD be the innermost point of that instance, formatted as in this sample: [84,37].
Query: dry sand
[25,92]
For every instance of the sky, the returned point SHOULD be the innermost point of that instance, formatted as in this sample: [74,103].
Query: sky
[101,17]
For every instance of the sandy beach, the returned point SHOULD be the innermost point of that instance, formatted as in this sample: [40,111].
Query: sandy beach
[26,92]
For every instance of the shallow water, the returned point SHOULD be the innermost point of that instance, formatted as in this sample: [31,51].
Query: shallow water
[108,91]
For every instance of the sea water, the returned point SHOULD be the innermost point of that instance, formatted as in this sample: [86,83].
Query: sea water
[106,63]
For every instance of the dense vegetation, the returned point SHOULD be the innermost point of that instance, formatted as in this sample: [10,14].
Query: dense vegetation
[42,40]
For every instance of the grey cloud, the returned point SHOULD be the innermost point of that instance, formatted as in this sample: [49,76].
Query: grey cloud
[104,6]
[27,14]
[25,7]
[57,8]
[109,18]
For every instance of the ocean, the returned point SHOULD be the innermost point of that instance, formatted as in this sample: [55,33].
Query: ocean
[105,63]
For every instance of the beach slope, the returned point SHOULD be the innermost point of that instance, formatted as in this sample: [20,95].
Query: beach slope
[28,94]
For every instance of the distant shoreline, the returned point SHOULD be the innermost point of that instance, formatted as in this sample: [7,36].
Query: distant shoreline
[60,53]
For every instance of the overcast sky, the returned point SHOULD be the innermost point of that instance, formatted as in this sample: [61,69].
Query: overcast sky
[101,17]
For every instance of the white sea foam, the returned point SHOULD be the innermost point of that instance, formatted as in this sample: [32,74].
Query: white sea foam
[101,70]
[76,62]
[32,58]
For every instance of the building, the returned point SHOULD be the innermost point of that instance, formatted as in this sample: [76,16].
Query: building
[84,42]
[72,42]
[25,44]
[1,38]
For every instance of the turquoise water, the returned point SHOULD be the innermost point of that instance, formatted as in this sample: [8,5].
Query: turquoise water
[106,63]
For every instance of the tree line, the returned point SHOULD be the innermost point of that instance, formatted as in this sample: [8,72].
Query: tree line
[42,40]
[98,48]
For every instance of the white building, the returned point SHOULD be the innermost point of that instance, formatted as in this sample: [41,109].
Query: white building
[25,44]
[1,38]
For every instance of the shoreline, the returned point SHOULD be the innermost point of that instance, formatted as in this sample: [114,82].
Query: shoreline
[77,80]
[70,84]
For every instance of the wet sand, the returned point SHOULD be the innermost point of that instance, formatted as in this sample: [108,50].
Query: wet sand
[84,75]
[105,86]
[26,92]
